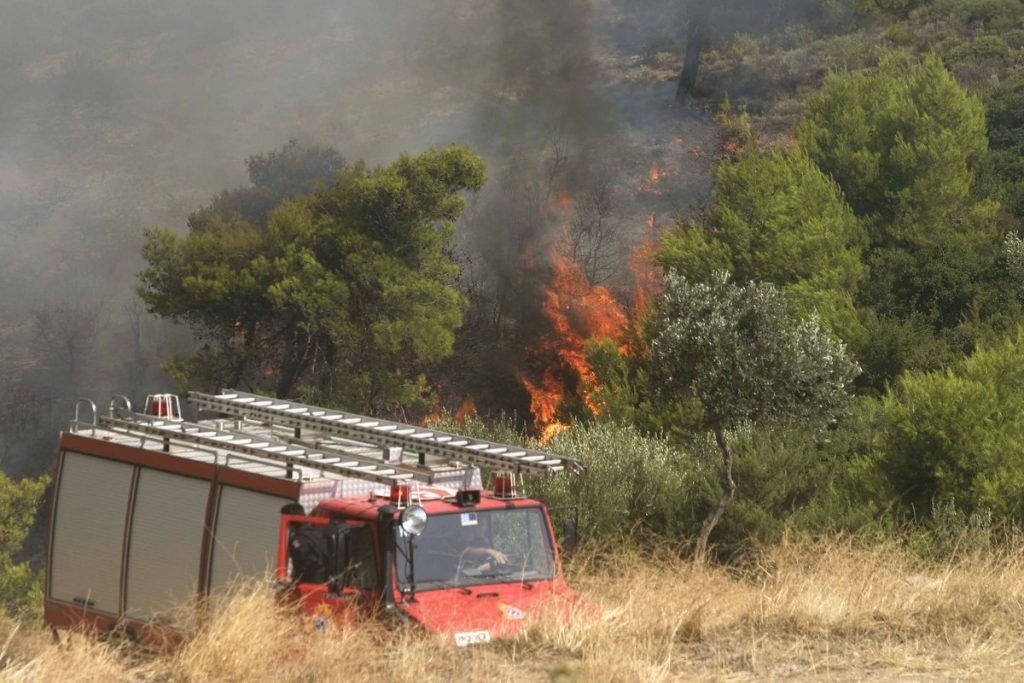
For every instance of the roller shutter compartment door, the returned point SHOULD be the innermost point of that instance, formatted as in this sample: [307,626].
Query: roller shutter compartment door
[245,538]
[88,532]
[165,545]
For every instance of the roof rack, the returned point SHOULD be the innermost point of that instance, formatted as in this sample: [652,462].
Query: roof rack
[370,430]
[251,445]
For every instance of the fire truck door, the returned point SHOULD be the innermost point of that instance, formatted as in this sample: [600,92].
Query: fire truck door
[353,586]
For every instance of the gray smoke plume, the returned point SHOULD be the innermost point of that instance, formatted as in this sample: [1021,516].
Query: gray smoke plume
[120,115]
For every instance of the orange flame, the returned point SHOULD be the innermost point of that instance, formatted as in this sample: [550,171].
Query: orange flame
[437,410]
[577,311]
[647,275]
[549,432]
[655,174]
[544,398]
[562,204]
[467,408]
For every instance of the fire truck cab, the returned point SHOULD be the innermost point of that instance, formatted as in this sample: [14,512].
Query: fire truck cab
[355,516]
[473,566]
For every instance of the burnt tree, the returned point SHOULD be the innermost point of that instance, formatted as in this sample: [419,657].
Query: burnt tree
[696,36]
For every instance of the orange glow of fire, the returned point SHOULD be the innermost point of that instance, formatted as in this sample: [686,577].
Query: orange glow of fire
[577,311]
[656,174]
[467,408]
[732,149]
[549,432]
[437,410]
[562,204]
[545,396]
[647,275]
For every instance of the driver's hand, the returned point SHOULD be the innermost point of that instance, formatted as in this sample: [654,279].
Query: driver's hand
[499,556]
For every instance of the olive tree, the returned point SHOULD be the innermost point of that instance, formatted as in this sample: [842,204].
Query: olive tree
[738,352]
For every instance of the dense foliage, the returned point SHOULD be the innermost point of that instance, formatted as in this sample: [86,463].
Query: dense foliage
[908,147]
[893,219]
[776,217]
[343,296]
[1005,117]
[20,585]
[904,142]
[954,435]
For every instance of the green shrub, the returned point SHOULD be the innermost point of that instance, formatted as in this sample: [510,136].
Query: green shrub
[993,14]
[954,531]
[743,47]
[798,479]
[816,481]
[20,586]
[1014,38]
[979,49]
[959,434]
[632,482]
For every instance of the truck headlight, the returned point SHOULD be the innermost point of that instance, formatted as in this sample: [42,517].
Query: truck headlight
[413,520]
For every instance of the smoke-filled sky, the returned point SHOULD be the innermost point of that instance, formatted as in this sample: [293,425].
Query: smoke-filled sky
[116,115]
[119,114]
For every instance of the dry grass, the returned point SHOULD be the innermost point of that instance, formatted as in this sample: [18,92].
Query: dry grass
[828,611]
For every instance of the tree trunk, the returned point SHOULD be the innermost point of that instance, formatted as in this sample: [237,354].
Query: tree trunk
[243,363]
[691,58]
[294,363]
[729,486]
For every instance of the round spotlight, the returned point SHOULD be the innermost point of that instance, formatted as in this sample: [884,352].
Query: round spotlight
[413,520]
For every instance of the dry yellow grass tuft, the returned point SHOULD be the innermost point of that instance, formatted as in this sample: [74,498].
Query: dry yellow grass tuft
[825,610]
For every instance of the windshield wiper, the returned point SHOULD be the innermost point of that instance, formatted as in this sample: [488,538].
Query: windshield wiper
[436,585]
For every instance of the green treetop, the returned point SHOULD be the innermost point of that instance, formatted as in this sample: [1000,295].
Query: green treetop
[345,296]
[904,141]
[776,218]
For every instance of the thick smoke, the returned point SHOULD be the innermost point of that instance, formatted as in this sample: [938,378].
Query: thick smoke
[120,115]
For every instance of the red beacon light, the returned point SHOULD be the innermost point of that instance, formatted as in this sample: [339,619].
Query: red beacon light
[506,486]
[164,405]
[401,495]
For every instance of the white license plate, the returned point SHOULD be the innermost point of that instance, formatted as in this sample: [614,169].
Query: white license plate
[472,638]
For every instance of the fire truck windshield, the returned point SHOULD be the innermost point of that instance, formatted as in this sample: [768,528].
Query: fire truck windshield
[478,547]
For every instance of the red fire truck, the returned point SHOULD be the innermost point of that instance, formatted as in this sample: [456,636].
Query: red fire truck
[354,515]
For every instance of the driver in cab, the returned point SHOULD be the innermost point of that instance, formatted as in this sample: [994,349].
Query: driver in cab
[479,552]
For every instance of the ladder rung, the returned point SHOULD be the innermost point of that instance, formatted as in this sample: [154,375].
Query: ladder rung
[450,447]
